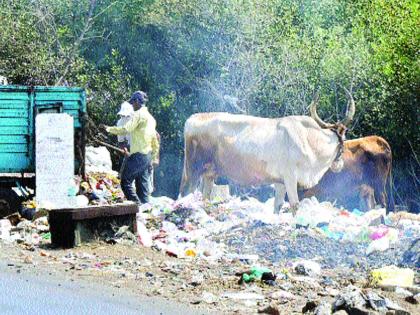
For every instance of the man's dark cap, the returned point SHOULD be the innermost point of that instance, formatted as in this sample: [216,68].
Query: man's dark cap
[139,96]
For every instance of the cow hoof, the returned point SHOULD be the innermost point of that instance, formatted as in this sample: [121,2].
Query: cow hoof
[292,209]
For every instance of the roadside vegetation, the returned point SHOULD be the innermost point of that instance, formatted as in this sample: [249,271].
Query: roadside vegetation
[263,58]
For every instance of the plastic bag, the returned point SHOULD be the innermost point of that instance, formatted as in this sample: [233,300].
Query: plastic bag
[392,275]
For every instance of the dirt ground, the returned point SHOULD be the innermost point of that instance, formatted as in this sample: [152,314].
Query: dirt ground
[199,283]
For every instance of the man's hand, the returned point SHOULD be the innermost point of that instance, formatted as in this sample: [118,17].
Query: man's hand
[155,163]
[103,127]
[126,153]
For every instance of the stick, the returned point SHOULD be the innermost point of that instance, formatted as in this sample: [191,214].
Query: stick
[109,146]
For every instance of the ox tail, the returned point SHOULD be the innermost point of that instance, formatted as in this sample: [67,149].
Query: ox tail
[185,171]
[189,179]
[390,202]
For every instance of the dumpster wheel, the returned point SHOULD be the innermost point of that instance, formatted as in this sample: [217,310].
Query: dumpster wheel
[9,202]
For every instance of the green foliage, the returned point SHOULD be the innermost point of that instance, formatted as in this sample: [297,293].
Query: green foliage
[244,56]
[107,87]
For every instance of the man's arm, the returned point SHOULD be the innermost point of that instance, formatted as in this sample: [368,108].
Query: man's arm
[129,127]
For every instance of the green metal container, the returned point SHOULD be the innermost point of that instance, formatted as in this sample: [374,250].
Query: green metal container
[19,106]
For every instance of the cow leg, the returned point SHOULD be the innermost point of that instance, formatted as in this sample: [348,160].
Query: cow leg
[191,171]
[366,198]
[280,193]
[189,183]
[183,186]
[208,182]
[291,188]
[380,193]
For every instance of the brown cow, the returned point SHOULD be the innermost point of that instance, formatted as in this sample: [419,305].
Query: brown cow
[364,179]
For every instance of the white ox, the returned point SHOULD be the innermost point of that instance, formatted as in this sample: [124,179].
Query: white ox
[287,152]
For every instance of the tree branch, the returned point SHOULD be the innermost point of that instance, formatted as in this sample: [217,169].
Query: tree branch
[87,25]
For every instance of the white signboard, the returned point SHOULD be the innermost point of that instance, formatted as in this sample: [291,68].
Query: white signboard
[54,161]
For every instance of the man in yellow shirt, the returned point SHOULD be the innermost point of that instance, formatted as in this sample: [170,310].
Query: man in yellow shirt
[144,149]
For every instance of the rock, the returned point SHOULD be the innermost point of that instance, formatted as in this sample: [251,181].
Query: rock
[361,311]
[310,306]
[307,281]
[324,308]
[376,302]
[242,296]
[272,309]
[332,292]
[208,298]
[125,233]
[270,282]
[197,279]
[403,292]
[287,286]
[28,260]
[394,306]
[380,219]
[414,299]
[248,259]
[282,295]
[327,281]
[307,268]
[350,300]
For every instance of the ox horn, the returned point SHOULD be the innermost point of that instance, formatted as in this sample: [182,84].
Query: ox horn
[314,114]
[351,108]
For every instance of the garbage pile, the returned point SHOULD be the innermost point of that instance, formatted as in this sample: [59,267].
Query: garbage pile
[99,189]
[236,253]
[26,232]
[237,228]
[98,160]
[353,300]
[102,186]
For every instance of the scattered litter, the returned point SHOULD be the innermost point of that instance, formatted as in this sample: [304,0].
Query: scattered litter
[208,298]
[243,296]
[392,275]
[98,159]
[378,245]
[5,227]
[144,236]
[307,268]
[282,295]
[351,300]
[403,292]
[354,301]
[324,308]
[293,253]
[257,273]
